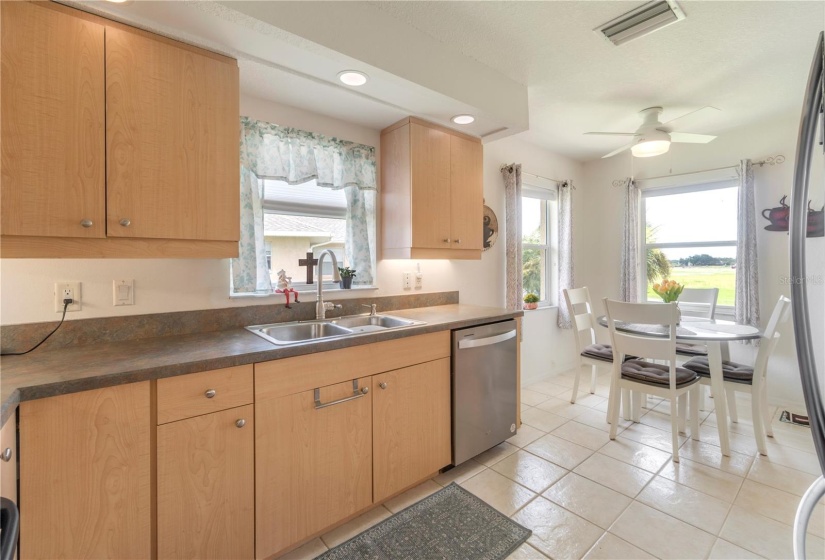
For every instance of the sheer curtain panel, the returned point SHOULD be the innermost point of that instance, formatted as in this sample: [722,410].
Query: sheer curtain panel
[629,286]
[565,250]
[512,220]
[747,265]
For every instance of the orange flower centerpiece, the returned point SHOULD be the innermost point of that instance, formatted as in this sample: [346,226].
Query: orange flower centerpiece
[668,290]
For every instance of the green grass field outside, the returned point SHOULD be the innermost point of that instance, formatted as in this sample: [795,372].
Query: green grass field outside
[722,277]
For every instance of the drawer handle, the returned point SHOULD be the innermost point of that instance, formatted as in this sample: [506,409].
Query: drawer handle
[240,422]
[356,394]
[458,240]
[6,456]
[210,393]
[87,223]
[125,222]
[446,240]
[382,385]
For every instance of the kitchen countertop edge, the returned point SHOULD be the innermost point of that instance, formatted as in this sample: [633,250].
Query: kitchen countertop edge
[260,350]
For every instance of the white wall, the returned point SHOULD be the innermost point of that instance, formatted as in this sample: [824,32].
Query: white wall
[163,285]
[602,235]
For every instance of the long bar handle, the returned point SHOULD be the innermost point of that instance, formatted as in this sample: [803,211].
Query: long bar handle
[356,394]
[477,342]
[798,234]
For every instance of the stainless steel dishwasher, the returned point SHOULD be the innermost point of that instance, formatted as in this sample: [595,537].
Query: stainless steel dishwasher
[484,388]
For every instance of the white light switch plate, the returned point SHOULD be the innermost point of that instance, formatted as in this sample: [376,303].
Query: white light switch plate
[63,290]
[123,292]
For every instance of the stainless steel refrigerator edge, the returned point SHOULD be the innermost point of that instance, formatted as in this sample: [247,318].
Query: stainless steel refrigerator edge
[812,112]
[484,388]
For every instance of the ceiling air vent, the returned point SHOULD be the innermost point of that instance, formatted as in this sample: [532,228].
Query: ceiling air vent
[645,19]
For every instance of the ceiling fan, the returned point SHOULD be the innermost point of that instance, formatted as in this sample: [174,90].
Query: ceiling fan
[653,138]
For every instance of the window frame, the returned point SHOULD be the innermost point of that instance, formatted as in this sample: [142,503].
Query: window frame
[550,248]
[652,192]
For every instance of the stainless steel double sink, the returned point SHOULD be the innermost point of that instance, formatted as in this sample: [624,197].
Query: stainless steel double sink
[308,331]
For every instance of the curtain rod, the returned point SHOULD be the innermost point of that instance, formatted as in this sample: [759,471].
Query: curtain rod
[773,160]
[549,179]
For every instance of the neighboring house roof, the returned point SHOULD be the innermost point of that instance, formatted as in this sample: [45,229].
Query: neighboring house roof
[282,225]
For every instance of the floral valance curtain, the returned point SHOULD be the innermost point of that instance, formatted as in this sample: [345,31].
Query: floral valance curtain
[269,151]
[297,156]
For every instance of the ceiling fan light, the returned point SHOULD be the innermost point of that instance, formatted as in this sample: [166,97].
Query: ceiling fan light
[650,148]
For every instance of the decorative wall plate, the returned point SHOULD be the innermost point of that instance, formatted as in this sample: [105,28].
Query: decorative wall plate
[490,225]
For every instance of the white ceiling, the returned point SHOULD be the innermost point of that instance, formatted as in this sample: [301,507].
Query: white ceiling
[750,59]
[494,59]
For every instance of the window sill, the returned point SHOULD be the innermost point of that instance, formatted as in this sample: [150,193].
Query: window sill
[306,290]
[542,307]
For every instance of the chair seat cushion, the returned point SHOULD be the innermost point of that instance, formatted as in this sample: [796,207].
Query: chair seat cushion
[656,374]
[598,351]
[691,349]
[732,371]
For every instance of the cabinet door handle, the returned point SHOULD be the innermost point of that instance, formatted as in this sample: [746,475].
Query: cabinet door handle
[6,456]
[125,222]
[458,240]
[446,240]
[210,393]
[87,223]
[240,422]
[382,385]
[356,394]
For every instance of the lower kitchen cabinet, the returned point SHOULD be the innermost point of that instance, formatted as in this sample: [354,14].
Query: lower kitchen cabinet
[313,462]
[411,426]
[205,486]
[8,459]
[85,474]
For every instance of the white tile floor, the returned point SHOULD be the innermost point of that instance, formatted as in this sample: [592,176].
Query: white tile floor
[585,496]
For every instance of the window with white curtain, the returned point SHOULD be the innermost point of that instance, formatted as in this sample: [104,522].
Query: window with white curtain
[539,221]
[690,236]
[301,194]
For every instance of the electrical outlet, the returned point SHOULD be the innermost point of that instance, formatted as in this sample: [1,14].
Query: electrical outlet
[407,280]
[67,290]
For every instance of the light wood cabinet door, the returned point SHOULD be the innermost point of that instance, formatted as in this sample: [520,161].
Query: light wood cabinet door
[466,194]
[8,463]
[313,466]
[85,475]
[52,126]
[430,174]
[172,137]
[205,481]
[411,425]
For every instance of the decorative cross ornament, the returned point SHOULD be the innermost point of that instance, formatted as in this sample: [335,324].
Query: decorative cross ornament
[308,262]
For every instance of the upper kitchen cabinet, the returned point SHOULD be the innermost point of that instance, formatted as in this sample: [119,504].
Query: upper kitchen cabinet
[115,142]
[52,130]
[172,137]
[432,192]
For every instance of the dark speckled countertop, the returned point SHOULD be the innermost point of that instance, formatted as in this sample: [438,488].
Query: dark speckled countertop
[91,366]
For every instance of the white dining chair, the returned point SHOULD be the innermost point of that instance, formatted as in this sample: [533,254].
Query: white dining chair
[747,379]
[588,350]
[701,303]
[664,380]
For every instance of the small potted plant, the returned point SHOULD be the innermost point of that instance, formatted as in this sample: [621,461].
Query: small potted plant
[347,274]
[531,300]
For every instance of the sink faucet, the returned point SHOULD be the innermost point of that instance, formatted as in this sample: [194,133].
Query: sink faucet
[321,307]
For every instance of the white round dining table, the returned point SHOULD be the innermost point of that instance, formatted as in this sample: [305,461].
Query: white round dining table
[715,334]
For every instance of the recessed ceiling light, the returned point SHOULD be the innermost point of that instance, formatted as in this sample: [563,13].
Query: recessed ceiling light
[463,119]
[353,78]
